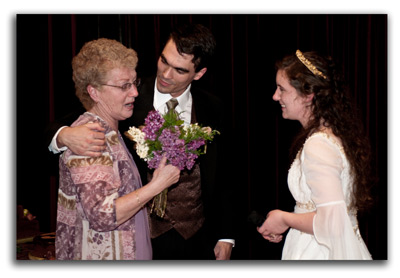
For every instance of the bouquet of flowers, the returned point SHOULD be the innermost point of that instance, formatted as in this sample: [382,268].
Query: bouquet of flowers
[167,135]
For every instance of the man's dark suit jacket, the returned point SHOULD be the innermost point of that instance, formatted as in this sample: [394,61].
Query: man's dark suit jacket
[216,174]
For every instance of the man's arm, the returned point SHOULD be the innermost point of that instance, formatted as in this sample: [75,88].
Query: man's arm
[85,140]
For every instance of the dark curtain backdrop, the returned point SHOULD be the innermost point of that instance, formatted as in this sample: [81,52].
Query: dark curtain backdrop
[242,74]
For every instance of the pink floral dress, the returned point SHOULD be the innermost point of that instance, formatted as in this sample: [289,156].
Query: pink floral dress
[86,216]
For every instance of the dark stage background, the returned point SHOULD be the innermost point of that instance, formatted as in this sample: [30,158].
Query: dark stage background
[242,74]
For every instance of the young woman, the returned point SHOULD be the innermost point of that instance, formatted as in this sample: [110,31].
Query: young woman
[329,175]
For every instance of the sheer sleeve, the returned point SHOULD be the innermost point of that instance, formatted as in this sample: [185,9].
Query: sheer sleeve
[323,167]
[97,187]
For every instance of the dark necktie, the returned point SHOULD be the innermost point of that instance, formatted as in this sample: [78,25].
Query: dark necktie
[172,103]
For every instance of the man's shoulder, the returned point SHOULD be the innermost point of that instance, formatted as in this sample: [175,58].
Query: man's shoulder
[201,95]
[147,84]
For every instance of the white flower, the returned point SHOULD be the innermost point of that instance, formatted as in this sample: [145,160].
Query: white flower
[137,135]
[142,150]
[191,128]
[207,130]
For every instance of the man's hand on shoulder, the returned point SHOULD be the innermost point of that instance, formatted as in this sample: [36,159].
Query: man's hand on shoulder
[87,139]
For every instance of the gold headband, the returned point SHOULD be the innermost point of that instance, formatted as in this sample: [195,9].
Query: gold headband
[308,64]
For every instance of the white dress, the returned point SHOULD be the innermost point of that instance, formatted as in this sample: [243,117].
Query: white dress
[319,179]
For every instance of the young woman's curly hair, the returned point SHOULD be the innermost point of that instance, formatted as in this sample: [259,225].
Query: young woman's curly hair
[332,107]
[94,61]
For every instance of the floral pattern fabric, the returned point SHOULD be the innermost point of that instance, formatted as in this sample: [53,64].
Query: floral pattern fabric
[87,228]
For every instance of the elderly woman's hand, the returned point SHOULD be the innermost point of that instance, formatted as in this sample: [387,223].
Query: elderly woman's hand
[166,175]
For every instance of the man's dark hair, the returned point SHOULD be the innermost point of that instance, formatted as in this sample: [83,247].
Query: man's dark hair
[196,40]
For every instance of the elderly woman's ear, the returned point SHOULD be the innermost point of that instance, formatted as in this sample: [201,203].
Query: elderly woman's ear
[93,93]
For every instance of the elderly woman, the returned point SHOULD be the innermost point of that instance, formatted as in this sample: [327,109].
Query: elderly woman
[101,213]
[329,176]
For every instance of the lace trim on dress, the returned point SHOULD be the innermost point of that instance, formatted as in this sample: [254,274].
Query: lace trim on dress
[308,206]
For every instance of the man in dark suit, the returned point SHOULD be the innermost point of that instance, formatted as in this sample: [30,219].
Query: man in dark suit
[198,221]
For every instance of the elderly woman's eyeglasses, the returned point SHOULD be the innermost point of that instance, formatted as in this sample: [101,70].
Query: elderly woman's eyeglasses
[127,86]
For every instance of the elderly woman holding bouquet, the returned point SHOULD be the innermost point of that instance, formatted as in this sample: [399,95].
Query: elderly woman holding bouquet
[101,213]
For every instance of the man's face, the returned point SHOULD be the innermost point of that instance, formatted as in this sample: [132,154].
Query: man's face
[175,71]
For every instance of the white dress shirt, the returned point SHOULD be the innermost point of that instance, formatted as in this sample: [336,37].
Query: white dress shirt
[184,103]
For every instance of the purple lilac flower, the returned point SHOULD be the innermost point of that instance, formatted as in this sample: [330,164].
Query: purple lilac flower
[169,138]
[175,150]
[195,144]
[153,123]
[173,147]
[190,160]
[155,161]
